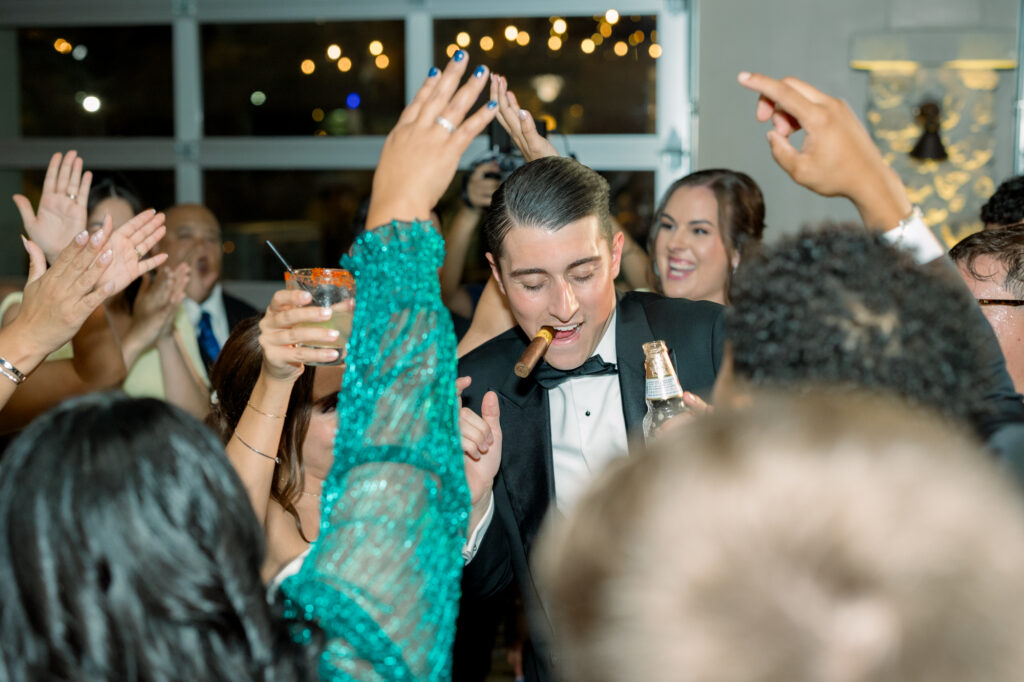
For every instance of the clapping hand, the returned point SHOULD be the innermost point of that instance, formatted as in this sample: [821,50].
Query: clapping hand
[129,245]
[62,205]
[157,303]
[422,152]
[58,300]
[519,123]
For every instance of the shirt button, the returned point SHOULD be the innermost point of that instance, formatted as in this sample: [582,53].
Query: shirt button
[587,413]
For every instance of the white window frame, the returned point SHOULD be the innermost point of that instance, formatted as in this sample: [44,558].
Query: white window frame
[1018,142]
[668,152]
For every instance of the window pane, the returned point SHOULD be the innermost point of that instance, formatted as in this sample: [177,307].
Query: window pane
[90,81]
[153,188]
[633,201]
[308,215]
[303,79]
[582,74]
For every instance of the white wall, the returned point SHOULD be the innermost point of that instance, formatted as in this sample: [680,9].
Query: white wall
[810,39]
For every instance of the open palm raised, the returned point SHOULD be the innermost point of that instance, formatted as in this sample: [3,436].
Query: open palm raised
[62,205]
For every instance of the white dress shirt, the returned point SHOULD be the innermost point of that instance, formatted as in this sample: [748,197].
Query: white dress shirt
[214,304]
[588,430]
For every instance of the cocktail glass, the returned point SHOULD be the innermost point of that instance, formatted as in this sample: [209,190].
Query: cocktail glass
[332,288]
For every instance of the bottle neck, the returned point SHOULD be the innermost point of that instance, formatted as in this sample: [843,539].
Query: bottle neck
[662,382]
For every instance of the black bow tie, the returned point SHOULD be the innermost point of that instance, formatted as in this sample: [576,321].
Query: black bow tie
[549,377]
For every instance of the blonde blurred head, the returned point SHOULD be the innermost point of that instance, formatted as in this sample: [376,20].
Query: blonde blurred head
[812,539]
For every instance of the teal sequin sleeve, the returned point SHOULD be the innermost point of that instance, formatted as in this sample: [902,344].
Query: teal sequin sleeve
[382,578]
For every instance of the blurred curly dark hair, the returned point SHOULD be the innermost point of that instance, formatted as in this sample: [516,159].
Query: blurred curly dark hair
[843,307]
[1006,206]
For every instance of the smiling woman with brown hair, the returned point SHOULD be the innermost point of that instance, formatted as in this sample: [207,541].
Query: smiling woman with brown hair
[291,515]
[705,224]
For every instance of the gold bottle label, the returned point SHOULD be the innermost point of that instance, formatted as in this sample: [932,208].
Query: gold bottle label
[662,382]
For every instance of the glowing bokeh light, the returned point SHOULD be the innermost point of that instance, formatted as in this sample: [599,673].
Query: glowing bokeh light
[486,43]
[554,43]
[344,64]
[654,50]
[62,46]
[382,61]
[353,100]
[523,38]
[611,16]
[91,104]
[621,48]
[587,45]
[462,39]
[605,30]
[451,50]
[307,66]
[318,114]
[376,47]
[559,26]
[257,98]
[333,51]
[79,53]
[511,32]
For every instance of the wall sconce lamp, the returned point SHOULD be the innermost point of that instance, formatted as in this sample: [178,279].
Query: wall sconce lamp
[929,116]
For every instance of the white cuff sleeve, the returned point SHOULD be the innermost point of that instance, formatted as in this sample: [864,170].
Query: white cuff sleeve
[472,545]
[914,235]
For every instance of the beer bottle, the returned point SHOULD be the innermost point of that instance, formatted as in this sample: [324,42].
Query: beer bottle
[664,394]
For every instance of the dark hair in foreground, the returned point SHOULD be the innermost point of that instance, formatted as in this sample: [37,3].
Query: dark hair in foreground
[1006,245]
[740,207]
[807,538]
[548,193]
[1006,206]
[842,306]
[129,551]
[232,377]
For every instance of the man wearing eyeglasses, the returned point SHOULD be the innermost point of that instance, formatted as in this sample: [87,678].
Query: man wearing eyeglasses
[992,265]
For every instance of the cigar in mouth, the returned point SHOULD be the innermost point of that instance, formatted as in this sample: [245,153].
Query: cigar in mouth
[534,352]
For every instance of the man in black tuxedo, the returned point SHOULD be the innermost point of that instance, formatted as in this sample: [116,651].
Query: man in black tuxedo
[555,254]
[193,235]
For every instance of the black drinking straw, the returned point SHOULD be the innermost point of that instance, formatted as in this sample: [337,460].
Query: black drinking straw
[298,279]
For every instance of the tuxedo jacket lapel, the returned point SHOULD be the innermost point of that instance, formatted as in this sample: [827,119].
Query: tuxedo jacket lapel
[526,427]
[632,331]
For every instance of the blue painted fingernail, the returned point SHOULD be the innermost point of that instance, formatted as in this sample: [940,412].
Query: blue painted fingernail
[433,72]
[459,55]
[480,71]
[493,103]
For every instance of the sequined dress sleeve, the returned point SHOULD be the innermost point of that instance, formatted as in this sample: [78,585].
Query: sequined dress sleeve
[382,579]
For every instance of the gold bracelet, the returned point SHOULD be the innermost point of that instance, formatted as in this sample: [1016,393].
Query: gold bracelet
[241,440]
[266,414]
